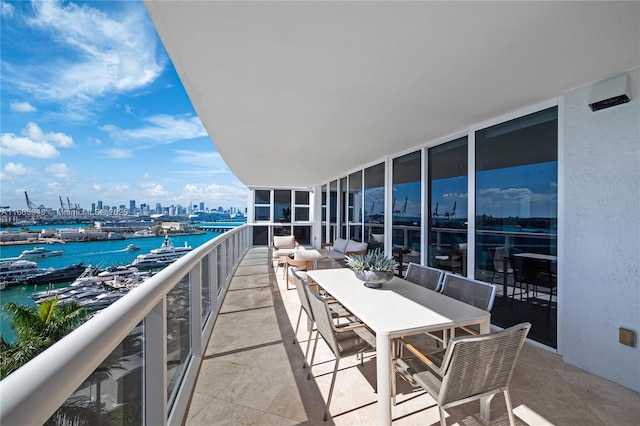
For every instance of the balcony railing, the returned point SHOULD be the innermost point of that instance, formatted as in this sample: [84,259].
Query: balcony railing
[136,361]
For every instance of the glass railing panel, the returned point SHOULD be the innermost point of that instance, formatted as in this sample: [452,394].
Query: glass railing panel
[178,335]
[205,279]
[113,393]
[220,269]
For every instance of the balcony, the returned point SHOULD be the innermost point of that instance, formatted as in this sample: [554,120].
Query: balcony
[176,367]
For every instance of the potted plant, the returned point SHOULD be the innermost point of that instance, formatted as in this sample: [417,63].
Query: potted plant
[374,268]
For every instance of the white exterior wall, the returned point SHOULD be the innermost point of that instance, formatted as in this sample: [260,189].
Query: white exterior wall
[600,258]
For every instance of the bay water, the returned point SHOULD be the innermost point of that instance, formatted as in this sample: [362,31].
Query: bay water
[95,253]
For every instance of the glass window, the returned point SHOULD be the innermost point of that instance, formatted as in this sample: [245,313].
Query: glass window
[373,201]
[325,198]
[301,206]
[448,191]
[282,206]
[516,214]
[407,197]
[333,210]
[263,213]
[354,206]
[262,196]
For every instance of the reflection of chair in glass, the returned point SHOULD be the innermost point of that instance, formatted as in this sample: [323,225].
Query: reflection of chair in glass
[455,260]
[497,256]
[342,339]
[535,272]
[424,275]
[472,367]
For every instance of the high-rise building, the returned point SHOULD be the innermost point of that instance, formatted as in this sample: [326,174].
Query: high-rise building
[99,205]
[132,206]
[201,206]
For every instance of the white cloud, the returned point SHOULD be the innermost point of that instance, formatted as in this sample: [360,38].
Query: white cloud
[34,132]
[11,144]
[119,153]
[13,170]
[16,169]
[118,51]
[121,188]
[59,170]
[162,129]
[22,106]
[7,10]
[154,190]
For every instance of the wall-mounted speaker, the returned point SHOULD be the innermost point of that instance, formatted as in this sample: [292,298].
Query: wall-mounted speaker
[611,92]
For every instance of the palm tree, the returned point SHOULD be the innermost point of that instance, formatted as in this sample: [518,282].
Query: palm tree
[36,328]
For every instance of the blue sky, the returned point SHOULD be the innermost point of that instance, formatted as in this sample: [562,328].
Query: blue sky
[92,109]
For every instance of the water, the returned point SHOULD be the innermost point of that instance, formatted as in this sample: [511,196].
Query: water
[97,253]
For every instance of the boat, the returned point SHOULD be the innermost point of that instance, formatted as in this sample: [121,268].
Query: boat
[167,253]
[16,271]
[132,247]
[3,285]
[39,252]
[67,273]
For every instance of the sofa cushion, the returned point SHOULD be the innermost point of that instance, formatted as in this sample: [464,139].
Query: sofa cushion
[284,242]
[308,254]
[334,254]
[356,246]
[282,252]
[340,245]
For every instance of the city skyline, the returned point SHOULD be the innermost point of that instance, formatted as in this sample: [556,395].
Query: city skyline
[92,109]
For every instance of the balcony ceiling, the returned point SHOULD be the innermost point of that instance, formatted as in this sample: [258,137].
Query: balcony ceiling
[298,93]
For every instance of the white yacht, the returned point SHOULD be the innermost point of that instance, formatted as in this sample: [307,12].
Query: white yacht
[166,254]
[18,270]
[39,252]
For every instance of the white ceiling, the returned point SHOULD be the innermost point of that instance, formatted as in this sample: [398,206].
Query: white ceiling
[298,93]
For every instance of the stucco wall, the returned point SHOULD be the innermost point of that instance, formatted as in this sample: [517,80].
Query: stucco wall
[600,275]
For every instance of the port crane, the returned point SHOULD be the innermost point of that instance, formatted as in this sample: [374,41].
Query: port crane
[30,204]
[403,210]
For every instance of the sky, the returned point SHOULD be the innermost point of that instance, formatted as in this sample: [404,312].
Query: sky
[92,109]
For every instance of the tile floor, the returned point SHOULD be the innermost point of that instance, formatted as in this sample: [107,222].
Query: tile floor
[252,374]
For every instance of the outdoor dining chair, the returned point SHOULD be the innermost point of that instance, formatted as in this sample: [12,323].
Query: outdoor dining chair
[472,367]
[425,276]
[343,341]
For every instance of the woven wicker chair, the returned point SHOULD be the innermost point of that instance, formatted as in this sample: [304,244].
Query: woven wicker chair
[474,367]
[341,339]
[425,276]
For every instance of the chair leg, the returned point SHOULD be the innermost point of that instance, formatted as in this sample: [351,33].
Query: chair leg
[443,422]
[507,400]
[295,333]
[306,352]
[313,355]
[333,382]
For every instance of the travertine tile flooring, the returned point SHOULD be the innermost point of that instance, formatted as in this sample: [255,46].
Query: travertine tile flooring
[252,374]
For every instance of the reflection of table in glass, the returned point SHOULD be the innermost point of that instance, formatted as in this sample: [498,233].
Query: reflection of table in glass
[399,308]
[550,260]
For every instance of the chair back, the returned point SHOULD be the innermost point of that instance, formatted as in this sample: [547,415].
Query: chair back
[302,294]
[473,292]
[497,255]
[479,364]
[424,276]
[322,316]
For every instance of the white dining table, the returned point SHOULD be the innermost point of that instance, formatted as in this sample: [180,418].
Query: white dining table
[399,308]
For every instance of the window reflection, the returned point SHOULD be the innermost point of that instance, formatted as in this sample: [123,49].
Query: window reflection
[516,213]
[407,197]
[448,194]
[373,201]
